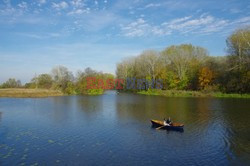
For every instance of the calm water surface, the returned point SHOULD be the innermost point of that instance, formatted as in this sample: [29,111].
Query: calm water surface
[115,129]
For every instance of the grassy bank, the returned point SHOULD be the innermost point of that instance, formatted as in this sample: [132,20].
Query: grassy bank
[19,92]
[95,92]
[181,93]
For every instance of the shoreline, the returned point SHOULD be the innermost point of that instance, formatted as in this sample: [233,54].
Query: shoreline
[40,93]
[29,93]
[183,93]
[43,93]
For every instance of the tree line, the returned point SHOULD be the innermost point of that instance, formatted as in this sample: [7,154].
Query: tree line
[188,67]
[62,79]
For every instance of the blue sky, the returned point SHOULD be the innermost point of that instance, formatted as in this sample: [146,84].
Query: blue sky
[37,35]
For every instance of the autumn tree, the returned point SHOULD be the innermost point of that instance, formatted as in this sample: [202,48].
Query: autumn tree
[205,77]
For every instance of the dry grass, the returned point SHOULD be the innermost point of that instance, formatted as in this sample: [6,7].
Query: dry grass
[19,92]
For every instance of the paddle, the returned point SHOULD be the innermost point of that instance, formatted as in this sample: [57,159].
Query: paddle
[159,127]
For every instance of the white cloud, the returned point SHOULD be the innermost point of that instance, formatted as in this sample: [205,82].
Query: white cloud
[59,6]
[136,28]
[78,3]
[204,24]
[151,5]
[243,20]
[157,31]
[79,11]
[178,20]
[215,27]
[140,28]
[79,7]
[187,24]
[23,5]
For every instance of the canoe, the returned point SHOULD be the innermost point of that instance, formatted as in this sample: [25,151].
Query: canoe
[174,125]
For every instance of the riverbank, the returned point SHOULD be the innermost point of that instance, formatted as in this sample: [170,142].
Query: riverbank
[21,92]
[181,93]
[36,93]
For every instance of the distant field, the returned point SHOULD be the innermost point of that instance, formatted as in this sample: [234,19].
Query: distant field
[19,92]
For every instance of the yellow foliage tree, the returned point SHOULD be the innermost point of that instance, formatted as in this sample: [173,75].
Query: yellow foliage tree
[206,77]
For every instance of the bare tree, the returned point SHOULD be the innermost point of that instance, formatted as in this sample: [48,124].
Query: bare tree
[149,61]
[62,76]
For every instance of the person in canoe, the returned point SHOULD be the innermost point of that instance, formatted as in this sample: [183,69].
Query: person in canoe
[167,122]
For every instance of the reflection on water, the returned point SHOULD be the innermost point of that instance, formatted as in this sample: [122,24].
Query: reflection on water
[115,128]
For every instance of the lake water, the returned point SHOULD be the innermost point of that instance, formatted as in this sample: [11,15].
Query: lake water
[115,129]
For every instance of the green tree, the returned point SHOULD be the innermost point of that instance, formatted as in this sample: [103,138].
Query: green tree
[62,77]
[42,81]
[239,48]
[97,79]
[236,76]
[183,60]
[12,83]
